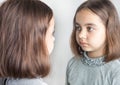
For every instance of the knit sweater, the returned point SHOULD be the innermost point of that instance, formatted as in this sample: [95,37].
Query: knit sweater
[24,81]
[92,71]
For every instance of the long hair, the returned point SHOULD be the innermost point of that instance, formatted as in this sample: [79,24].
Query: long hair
[23,50]
[108,14]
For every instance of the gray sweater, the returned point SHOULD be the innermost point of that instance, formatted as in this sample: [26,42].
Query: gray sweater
[25,81]
[92,71]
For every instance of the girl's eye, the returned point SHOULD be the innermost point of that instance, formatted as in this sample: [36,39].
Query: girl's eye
[90,29]
[78,28]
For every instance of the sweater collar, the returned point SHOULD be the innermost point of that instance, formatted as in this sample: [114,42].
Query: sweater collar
[93,61]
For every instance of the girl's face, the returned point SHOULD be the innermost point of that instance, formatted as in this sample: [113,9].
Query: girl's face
[49,36]
[90,33]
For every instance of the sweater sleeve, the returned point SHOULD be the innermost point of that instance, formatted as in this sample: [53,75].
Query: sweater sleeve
[66,82]
[1,81]
[25,81]
[116,75]
[116,79]
[69,67]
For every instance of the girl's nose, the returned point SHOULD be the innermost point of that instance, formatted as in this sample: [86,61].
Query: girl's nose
[82,34]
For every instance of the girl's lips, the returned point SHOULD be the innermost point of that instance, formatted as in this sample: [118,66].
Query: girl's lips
[83,43]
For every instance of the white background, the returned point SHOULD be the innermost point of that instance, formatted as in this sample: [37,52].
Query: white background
[64,11]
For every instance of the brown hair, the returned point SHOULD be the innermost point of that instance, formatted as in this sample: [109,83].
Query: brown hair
[23,50]
[108,14]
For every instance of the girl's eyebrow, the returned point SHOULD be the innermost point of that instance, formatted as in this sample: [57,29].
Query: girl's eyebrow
[90,24]
[87,24]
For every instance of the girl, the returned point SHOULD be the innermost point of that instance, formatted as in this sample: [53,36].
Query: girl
[96,45]
[26,40]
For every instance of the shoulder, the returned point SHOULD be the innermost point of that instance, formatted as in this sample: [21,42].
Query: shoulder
[73,68]
[115,64]
[114,68]
[115,72]
[25,81]
[73,62]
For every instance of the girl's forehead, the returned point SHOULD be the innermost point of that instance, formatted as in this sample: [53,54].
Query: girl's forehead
[87,16]
[86,13]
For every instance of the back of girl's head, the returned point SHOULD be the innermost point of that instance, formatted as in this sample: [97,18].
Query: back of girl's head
[108,14]
[23,26]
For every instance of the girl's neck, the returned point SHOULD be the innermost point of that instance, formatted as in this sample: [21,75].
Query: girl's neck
[95,54]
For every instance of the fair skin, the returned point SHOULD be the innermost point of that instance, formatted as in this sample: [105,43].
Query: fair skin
[91,33]
[50,37]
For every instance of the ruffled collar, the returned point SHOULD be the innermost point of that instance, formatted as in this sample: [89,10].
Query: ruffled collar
[93,61]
